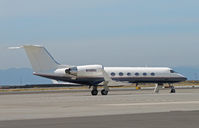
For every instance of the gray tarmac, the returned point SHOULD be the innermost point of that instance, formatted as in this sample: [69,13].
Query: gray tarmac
[149,120]
[140,108]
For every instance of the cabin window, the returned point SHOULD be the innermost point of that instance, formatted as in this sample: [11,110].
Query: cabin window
[144,74]
[137,74]
[112,74]
[152,74]
[121,74]
[128,74]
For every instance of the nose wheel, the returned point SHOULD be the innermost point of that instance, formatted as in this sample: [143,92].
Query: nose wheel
[172,90]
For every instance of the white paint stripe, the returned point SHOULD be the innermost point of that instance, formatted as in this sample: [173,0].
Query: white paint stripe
[155,103]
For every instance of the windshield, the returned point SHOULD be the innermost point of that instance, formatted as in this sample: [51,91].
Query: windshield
[172,71]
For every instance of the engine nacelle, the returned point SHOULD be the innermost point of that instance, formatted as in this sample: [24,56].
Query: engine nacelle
[82,71]
[87,70]
[72,71]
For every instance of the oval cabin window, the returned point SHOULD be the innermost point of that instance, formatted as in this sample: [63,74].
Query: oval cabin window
[144,74]
[128,74]
[137,74]
[112,74]
[121,74]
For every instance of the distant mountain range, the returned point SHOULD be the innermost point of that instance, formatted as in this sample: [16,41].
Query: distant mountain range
[22,76]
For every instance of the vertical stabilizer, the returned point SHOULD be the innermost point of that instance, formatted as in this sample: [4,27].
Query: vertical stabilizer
[40,58]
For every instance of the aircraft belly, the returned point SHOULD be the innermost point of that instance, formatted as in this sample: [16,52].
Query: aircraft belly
[97,80]
[149,80]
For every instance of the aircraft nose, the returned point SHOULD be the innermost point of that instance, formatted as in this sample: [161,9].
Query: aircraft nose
[183,78]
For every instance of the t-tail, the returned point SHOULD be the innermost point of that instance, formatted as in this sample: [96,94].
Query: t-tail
[40,58]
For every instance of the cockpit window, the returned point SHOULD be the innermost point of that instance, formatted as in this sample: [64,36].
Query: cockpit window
[172,71]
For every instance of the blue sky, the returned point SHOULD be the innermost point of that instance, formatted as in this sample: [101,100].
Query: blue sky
[108,32]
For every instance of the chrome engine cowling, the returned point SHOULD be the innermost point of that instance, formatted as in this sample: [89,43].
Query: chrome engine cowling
[82,71]
[72,71]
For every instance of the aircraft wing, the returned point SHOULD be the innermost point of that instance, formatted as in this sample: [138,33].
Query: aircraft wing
[110,82]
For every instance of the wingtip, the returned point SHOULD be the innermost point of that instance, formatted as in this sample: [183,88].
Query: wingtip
[22,46]
[11,48]
[32,45]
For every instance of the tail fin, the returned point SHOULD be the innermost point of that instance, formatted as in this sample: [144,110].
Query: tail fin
[40,58]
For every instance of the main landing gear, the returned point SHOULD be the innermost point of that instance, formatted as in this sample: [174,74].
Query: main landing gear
[94,92]
[104,92]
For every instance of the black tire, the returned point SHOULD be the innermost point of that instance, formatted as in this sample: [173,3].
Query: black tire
[173,90]
[104,92]
[94,92]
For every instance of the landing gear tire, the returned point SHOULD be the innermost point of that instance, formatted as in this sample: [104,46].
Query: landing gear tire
[94,92]
[104,92]
[173,89]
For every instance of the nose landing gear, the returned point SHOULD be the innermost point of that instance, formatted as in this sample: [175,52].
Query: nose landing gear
[173,90]
[158,86]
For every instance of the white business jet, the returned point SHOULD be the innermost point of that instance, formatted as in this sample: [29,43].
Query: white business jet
[44,65]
